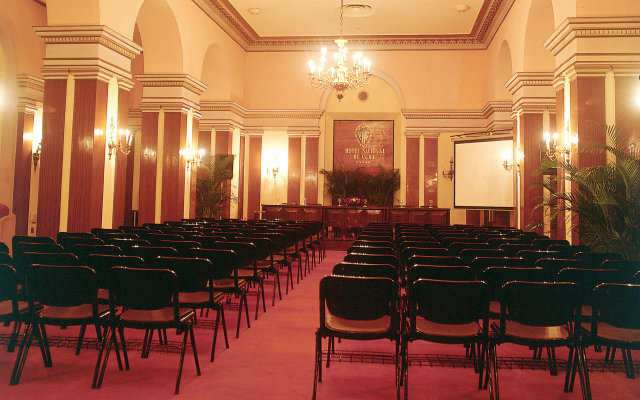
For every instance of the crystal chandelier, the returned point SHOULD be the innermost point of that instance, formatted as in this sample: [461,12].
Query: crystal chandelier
[341,75]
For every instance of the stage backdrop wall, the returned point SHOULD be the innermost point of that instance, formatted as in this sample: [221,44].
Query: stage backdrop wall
[363,144]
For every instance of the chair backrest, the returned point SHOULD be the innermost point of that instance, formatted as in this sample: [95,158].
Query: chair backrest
[456,247]
[372,259]
[370,270]
[149,253]
[143,289]
[597,258]
[479,264]
[554,265]
[627,267]
[408,252]
[539,303]
[511,249]
[531,256]
[50,259]
[370,250]
[69,241]
[264,245]
[434,260]
[6,259]
[468,255]
[372,243]
[496,277]
[588,279]
[61,286]
[544,243]
[206,241]
[83,250]
[404,243]
[225,262]
[443,272]
[9,285]
[102,263]
[180,245]
[194,274]
[36,247]
[246,251]
[125,244]
[64,235]
[618,305]
[449,301]
[30,239]
[357,298]
[569,251]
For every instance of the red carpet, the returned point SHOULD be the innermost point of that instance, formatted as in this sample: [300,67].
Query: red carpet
[274,360]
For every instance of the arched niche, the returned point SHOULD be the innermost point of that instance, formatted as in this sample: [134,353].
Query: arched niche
[540,26]
[160,37]
[216,75]
[504,70]
[384,101]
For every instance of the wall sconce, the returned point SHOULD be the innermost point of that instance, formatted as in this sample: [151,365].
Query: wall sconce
[121,141]
[555,150]
[509,165]
[274,170]
[450,173]
[36,150]
[194,159]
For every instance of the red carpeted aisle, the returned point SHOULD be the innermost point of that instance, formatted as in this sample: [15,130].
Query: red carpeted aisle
[274,360]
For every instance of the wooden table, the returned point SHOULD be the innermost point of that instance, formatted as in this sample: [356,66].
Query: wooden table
[347,217]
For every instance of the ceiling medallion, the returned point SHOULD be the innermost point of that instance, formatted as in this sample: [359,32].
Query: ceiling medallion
[341,75]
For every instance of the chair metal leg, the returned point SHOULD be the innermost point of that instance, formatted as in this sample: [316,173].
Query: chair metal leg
[15,333]
[570,362]
[317,371]
[41,335]
[239,316]
[182,351]
[83,328]
[124,347]
[583,370]
[195,352]
[215,336]
[21,357]
[551,356]
[224,326]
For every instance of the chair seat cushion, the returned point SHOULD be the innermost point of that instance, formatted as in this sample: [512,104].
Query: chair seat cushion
[549,333]
[429,328]
[227,283]
[160,316]
[379,325]
[247,273]
[81,312]
[494,307]
[198,297]
[6,307]
[609,332]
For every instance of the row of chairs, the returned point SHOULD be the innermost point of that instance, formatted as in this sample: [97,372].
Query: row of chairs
[184,277]
[445,303]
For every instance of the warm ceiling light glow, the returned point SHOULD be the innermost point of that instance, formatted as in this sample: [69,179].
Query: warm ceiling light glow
[462,7]
[254,10]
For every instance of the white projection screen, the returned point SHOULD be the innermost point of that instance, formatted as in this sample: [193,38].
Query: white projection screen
[481,181]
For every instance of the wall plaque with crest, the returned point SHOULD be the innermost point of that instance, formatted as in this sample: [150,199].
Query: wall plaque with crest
[363,144]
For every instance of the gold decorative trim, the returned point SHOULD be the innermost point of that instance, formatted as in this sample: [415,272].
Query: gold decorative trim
[521,79]
[489,19]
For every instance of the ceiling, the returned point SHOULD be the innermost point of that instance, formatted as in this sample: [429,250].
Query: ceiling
[362,17]
[264,25]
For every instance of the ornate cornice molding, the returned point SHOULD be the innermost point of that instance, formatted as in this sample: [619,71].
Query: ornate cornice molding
[89,34]
[591,27]
[30,82]
[489,109]
[524,79]
[185,81]
[489,19]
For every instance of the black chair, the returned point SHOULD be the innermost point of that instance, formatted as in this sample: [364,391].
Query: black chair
[30,239]
[373,259]
[196,290]
[126,244]
[532,256]
[512,249]
[248,267]
[357,308]
[367,270]
[456,247]
[61,296]
[102,263]
[543,244]
[4,248]
[68,241]
[149,300]
[180,245]
[616,319]
[226,265]
[496,277]
[265,260]
[11,309]
[540,314]
[445,311]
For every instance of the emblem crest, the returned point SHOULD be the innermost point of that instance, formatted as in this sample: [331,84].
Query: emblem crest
[363,134]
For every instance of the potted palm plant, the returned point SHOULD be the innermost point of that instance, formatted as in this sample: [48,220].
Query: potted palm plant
[606,198]
[212,193]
